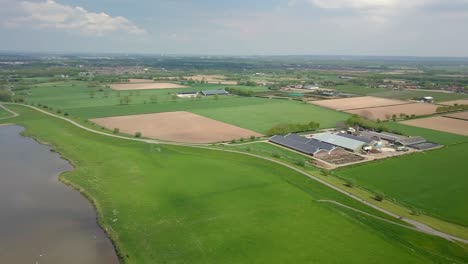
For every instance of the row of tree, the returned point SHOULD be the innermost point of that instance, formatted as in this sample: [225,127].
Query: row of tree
[451,108]
[283,129]
[240,92]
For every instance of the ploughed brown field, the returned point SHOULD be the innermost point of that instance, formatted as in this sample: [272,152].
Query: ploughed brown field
[446,124]
[461,115]
[386,112]
[211,79]
[458,102]
[176,127]
[145,86]
[358,102]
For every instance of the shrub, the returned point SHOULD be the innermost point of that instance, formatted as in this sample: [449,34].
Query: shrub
[59,111]
[301,163]
[325,172]
[276,155]
[379,196]
[65,114]
[138,134]
[233,141]
[116,131]
[241,139]
[252,138]
[349,183]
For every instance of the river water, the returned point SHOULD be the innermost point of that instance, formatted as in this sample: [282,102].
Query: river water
[41,219]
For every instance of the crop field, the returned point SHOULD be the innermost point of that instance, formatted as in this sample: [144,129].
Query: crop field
[176,126]
[266,113]
[433,181]
[64,95]
[439,137]
[145,86]
[257,114]
[357,103]
[460,115]
[455,102]
[173,204]
[440,123]
[412,94]
[386,112]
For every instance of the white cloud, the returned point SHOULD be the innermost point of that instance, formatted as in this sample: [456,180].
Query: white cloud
[367,4]
[53,15]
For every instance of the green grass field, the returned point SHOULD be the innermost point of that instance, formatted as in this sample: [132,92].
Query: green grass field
[433,181]
[258,114]
[172,204]
[261,117]
[3,113]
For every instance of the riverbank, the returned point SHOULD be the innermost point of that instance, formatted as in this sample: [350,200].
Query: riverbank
[38,223]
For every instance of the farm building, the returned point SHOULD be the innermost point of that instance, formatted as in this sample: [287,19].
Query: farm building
[214,92]
[341,141]
[305,145]
[393,138]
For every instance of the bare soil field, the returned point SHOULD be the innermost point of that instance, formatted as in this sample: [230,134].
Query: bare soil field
[386,112]
[140,81]
[211,79]
[440,123]
[461,115]
[145,86]
[177,127]
[458,102]
[358,103]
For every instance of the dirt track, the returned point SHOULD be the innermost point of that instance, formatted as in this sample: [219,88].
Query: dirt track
[176,127]
[440,123]
[357,103]
[145,86]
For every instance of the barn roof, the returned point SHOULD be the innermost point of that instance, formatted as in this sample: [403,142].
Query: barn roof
[215,92]
[339,141]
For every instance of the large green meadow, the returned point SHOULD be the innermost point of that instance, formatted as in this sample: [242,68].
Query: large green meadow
[3,113]
[258,114]
[173,204]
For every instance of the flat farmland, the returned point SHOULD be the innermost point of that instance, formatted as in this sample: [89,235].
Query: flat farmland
[145,86]
[386,112]
[269,112]
[461,115]
[176,127]
[440,123]
[174,204]
[357,103]
[433,181]
[455,102]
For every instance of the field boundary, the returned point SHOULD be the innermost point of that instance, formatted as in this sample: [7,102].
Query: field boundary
[420,227]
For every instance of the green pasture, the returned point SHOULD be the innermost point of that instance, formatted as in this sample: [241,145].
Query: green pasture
[4,114]
[174,204]
[433,181]
[261,117]
[258,114]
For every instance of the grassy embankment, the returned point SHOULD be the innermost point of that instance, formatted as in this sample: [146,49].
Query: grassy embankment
[177,204]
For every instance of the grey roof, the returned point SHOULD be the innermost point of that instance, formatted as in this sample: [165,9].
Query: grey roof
[424,146]
[293,144]
[339,141]
[214,92]
[382,135]
[358,138]
[311,141]
[411,140]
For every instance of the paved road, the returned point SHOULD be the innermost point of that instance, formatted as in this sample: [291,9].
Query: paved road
[416,225]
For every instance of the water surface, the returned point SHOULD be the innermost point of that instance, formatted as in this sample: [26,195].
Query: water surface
[41,219]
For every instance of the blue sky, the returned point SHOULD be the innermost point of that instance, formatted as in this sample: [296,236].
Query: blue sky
[275,27]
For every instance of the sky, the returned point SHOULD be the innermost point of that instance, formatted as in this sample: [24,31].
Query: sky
[240,27]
